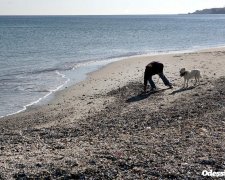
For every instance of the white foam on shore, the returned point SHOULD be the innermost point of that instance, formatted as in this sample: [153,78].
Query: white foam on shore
[152,53]
[44,97]
[97,62]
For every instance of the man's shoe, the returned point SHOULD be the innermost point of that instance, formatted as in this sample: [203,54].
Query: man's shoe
[170,86]
[153,89]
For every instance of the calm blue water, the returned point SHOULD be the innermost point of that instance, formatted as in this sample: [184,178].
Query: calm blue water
[41,54]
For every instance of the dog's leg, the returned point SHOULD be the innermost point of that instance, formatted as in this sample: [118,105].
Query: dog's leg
[187,83]
[196,80]
[184,83]
[199,78]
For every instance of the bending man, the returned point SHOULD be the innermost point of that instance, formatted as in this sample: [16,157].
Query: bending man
[152,69]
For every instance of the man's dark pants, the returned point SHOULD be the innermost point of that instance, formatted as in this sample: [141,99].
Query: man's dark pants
[164,79]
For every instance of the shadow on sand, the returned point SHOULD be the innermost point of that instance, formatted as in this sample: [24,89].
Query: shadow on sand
[143,95]
[182,90]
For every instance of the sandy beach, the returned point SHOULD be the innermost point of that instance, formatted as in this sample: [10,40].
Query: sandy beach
[104,128]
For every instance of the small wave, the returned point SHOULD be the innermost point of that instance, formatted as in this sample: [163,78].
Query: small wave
[118,58]
[50,70]
[44,97]
[39,91]
[12,74]
[103,61]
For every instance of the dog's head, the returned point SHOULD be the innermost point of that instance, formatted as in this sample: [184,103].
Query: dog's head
[182,72]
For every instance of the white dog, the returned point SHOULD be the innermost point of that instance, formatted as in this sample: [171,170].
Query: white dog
[190,75]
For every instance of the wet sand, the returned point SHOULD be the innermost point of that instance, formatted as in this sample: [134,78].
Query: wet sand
[105,128]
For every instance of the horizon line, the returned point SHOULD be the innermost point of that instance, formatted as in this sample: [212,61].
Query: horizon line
[90,14]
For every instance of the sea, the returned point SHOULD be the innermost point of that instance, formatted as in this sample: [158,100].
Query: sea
[40,55]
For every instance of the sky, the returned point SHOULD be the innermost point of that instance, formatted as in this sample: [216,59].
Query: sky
[104,7]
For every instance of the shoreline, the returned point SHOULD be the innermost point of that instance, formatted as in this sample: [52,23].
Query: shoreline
[105,128]
[42,100]
[138,63]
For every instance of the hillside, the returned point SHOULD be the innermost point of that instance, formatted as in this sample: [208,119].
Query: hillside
[210,11]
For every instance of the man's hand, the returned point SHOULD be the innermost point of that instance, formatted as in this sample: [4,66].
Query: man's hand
[145,87]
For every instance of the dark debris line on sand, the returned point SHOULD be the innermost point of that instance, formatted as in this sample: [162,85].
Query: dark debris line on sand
[126,141]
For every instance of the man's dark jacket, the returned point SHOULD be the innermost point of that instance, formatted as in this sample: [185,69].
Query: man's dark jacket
[152,69]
